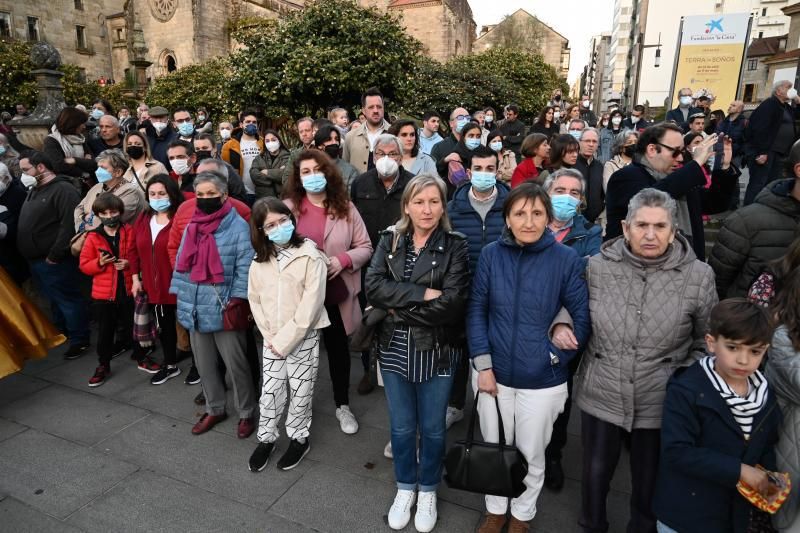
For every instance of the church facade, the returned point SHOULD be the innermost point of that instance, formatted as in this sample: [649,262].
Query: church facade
[104,37]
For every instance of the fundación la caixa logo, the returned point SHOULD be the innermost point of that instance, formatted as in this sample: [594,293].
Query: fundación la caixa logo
[712,25]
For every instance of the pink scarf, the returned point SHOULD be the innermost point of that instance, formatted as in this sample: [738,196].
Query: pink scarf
[200,253]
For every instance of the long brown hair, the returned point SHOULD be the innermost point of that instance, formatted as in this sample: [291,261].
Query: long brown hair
[264,247]
[783,266]
[337,203]
[785,308]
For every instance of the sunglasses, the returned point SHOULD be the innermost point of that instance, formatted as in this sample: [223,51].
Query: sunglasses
[675,151]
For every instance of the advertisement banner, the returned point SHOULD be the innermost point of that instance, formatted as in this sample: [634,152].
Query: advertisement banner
[711,50]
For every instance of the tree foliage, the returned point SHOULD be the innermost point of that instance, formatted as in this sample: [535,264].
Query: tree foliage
[16,82]
[323,55]
[207,84]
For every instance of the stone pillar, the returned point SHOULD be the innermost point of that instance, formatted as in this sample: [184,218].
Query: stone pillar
[33,129]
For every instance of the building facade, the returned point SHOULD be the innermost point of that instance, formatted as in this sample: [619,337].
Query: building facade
[598,79]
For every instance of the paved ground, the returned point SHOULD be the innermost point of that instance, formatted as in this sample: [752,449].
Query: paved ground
[121,457]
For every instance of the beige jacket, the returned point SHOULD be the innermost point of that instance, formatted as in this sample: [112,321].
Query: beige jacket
[356,146]
[151,168]
[129,192]
[506,166]
[287,303]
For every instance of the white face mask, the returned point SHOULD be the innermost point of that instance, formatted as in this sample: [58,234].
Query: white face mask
[225,134]
[556,115]
[792,93]
[272,146]
[180,166]
[3,187]
[585,104]
[685,100]
[159,126]
[386,166]
[27,180]
[634,120]
[616,121]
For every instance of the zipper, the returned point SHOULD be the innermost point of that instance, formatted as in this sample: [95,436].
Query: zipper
[516,315]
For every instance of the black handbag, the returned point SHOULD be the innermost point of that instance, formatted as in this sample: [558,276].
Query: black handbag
[485,468]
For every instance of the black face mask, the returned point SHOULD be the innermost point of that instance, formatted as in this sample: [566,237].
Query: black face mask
[333,151]
[203,154]
[209,205]
[557,98]
[110,222]
[629,150]
[135,152]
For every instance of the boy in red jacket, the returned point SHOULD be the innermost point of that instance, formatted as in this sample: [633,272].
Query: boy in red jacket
[105,257]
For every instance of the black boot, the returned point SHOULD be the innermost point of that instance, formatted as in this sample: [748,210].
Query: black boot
[553,475]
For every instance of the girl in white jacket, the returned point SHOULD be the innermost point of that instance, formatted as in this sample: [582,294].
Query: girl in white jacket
[286,290]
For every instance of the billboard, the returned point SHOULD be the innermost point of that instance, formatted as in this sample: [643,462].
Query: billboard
[711,50]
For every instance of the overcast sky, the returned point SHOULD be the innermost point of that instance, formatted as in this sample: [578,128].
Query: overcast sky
[577,20]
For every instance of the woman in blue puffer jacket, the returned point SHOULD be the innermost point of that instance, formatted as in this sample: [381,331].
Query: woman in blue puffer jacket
[211,272]
[521,283]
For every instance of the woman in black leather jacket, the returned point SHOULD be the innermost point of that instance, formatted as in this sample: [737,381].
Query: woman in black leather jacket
[419,275]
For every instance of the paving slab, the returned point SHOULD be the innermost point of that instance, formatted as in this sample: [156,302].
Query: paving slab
[150,502]
[334,500]
[54,358]
[74,415]
[173,398]
[559,511]
[213,461]
[20,518]
[75,374]
[19,385]
[8,429]
[54,475]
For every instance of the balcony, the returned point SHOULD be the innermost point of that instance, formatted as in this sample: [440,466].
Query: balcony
[776,20]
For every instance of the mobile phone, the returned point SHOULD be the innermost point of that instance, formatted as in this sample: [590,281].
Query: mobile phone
[719,152]
[106,253]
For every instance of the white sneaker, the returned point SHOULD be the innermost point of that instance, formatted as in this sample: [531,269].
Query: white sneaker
[453,415]
[400,511]
[347,420]
[425,518]
[387,450]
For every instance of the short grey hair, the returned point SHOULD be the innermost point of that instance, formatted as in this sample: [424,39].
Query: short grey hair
[5,174]
[574,120]
[114,157]
[387,138]
[778,84]
[585,130]
[211,177]
[114,121]
[560,173]
[220,166]
[620,139]
[653,198]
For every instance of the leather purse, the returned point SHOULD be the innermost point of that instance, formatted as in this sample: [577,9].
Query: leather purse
[336,291]
[486,468]
[237,315]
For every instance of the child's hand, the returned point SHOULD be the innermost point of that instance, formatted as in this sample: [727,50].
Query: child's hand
[105,259]
[756,478]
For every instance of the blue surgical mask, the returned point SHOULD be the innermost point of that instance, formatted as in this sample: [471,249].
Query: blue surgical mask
[483,181]
[314,183]
[282,234]
[496,146]
[160,204]
[2,149]
[565,207]
[186,129]
[576,134]
[472,143]
[97,113]
[102,175]
[251,130]
[460,123]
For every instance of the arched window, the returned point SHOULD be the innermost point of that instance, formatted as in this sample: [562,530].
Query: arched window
[167,62]
[171,64]
[458,47]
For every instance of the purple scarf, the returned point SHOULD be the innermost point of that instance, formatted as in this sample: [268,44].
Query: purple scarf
[200,253]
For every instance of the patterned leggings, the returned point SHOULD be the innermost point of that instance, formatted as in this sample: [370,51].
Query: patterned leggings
[299,368]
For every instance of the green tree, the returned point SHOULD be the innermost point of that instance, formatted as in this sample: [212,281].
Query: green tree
[16,81]
[325,54]
[206,84]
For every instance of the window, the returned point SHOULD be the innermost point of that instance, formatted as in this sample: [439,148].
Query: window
[82,75]
[33,29]
[79,5]
[80,37]
[752,64]
[761,35]
[749,92]
[764,12]
[5,24]
[119,34]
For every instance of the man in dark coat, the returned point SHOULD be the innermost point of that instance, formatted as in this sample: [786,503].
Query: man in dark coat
[636,121]
[680,115]
[770,134]
[658,152]
[162,135]
[592,170]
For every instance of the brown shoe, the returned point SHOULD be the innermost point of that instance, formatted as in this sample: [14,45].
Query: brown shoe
[207,422]
[246,427]
[365,386]
[492,523]
[517,526]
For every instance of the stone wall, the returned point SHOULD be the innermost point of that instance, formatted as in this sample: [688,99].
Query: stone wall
[446,29]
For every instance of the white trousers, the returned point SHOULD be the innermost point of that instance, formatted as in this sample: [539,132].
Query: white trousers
[299,371]
[528,418]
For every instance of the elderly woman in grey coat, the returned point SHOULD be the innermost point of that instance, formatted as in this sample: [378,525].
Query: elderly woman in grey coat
[649,299]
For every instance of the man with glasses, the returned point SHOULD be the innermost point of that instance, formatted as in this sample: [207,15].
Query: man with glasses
[658,163]
[459,118]
[680,115]
[183,123]
[636,121]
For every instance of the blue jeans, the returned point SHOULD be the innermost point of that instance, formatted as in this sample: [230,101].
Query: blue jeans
[61,284]
[412,407]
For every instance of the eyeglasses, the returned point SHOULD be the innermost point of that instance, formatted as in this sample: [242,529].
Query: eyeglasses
[182,120]
[393,155]
[462,117]
[269,227]
[675,151]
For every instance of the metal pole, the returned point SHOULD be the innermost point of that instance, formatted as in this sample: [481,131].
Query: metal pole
[675,65]
[744,58]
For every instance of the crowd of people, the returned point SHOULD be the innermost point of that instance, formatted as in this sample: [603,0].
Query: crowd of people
[550,266]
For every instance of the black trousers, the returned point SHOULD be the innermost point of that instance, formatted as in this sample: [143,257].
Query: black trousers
[559,438]
[602,444]
[167,334]
[458,392]
[114,319]
[338,348]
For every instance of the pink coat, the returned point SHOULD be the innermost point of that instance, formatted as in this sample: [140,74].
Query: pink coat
[350,237]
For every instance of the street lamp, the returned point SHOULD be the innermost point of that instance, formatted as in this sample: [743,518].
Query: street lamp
[658,50]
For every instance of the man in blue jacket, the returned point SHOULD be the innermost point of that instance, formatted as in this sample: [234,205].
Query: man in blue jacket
[770,135]
[476,210]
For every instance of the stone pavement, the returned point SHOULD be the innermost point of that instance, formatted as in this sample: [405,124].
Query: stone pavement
[121,457]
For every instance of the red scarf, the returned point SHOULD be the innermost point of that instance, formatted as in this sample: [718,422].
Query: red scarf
[200,253]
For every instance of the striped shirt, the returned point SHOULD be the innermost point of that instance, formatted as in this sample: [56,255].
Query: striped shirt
[401,355]
[743,408]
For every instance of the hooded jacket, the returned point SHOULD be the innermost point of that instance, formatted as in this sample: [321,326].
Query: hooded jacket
[517,291]
[753,236]
[649,317]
